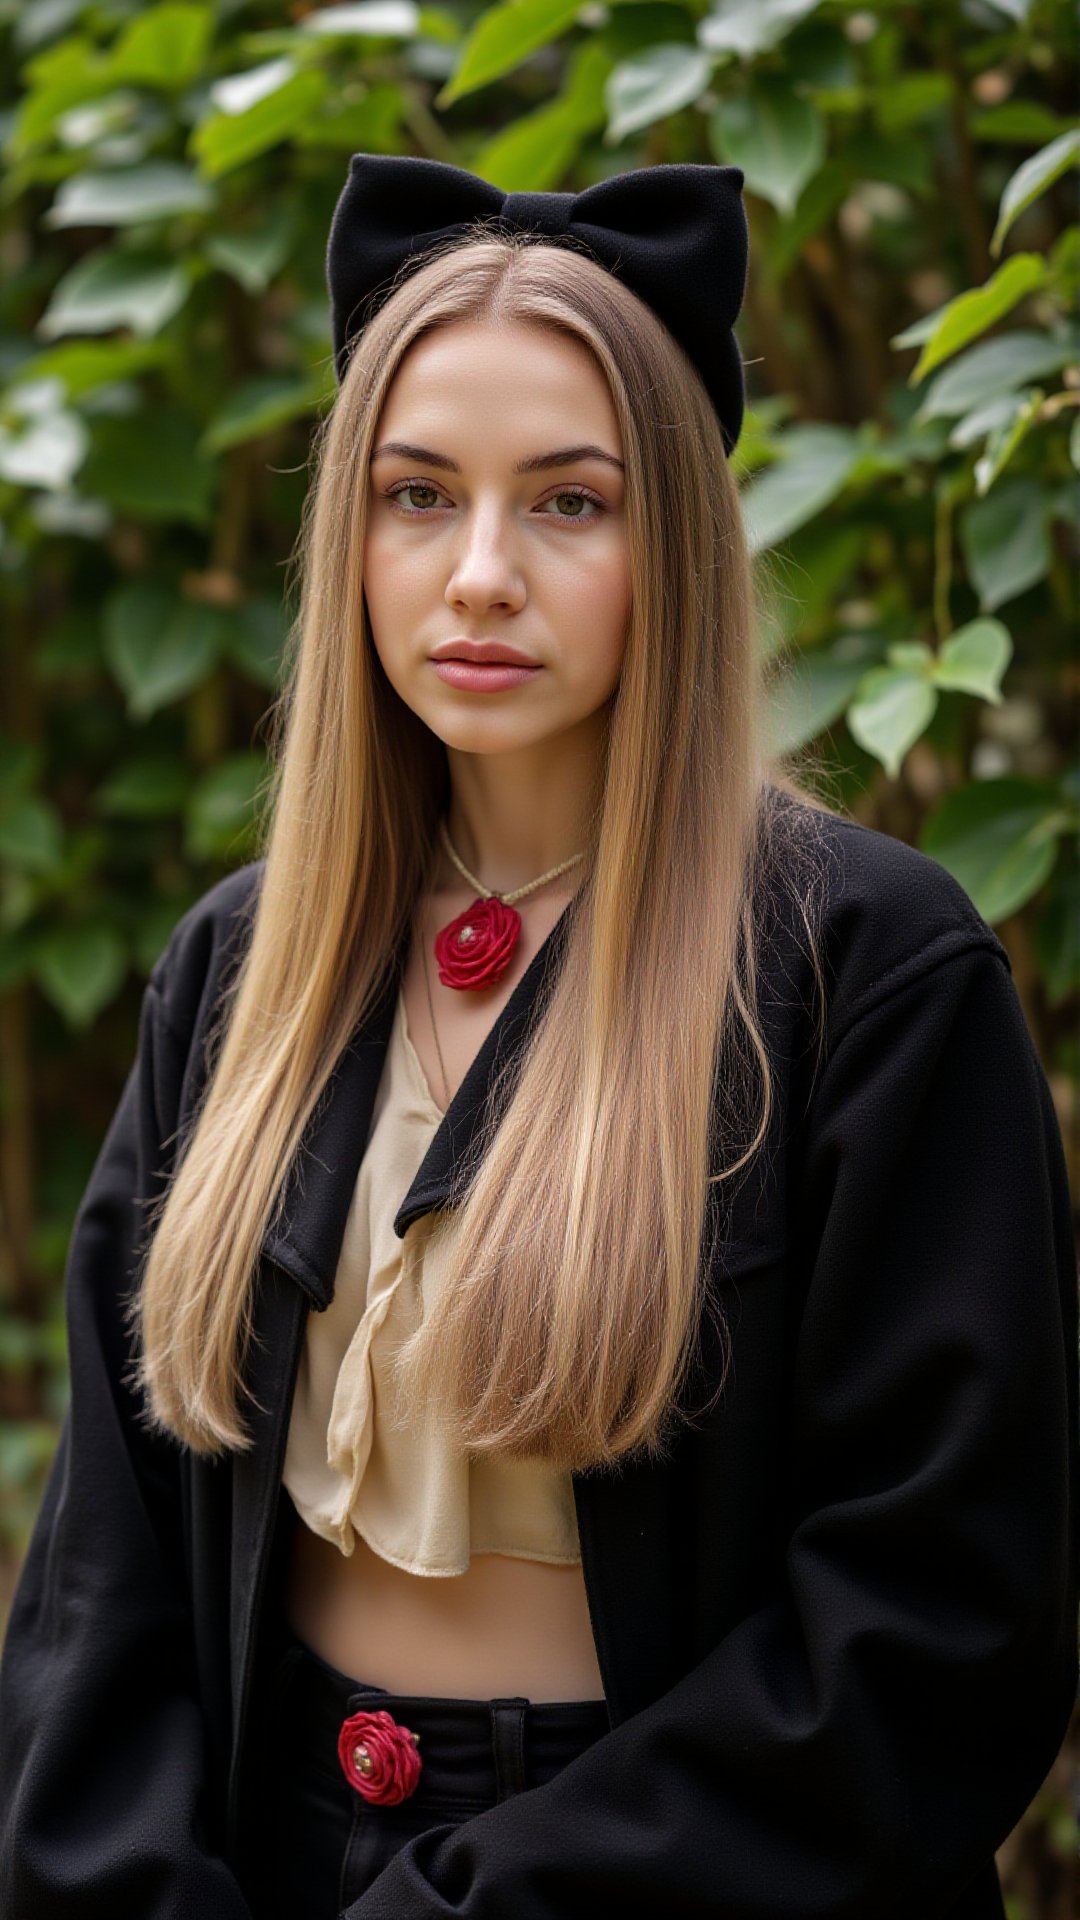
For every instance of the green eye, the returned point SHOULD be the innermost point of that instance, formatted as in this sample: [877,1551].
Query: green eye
[410,486]
[561,493]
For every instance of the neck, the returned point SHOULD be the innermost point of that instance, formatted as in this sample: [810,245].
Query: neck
[514,816]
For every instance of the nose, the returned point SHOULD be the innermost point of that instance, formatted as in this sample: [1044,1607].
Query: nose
[486,569]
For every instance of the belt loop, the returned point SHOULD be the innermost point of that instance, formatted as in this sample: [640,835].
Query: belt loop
[508,1744]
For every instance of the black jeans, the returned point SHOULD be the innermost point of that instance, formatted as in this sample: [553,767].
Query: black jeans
[321,1842]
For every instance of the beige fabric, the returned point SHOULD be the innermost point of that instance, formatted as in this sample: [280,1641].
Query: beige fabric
[418,1503]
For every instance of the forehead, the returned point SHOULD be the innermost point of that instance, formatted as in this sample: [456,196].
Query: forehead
[517,376]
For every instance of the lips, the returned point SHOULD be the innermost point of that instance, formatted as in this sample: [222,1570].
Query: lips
[482,653]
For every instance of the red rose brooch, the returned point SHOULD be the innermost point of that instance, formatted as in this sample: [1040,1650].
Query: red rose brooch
[474,950]
[379,1757]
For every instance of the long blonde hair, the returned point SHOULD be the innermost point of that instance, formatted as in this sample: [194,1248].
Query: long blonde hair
[571,1310]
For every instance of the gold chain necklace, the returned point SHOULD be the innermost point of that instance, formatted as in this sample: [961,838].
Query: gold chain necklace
[475,948]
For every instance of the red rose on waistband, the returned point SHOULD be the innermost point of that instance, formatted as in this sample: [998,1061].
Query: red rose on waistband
[474,950]
[379,1757]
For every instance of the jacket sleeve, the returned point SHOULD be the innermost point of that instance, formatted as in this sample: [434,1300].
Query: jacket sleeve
[101,1731]
[860,1746]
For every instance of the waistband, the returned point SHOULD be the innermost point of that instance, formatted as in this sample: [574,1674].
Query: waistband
[471,1752]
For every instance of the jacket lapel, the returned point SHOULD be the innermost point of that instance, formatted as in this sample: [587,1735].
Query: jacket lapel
[319,1188]
[304,1249]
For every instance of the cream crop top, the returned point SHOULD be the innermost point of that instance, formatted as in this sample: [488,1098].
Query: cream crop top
[418,1503]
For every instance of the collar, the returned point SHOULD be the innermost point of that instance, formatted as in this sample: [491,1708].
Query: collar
[306,1240]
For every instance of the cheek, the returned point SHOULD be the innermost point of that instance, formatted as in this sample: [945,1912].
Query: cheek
[388,578]
[603,613]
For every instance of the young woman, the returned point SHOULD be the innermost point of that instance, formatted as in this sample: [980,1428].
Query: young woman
[572,1326]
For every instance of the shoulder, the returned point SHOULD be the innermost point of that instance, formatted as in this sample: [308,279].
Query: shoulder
[884,912]
[203,946]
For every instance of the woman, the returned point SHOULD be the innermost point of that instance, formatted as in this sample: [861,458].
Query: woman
[572,1325]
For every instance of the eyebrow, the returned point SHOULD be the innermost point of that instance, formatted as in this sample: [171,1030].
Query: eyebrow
[536,463]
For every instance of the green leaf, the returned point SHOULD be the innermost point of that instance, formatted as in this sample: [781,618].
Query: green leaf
[775,135]
[83,365]
[258,406]
[971,314]
[1074,443]
[1032,179]
[375,124]
[158,646]
[998,366]
[1064,503]
[1057,933]
[41,20]
[47,453]
[914,655]
[255,639]
[803,698]
[1005,438]
[987,418]
[370,19]
[1064,262]
[26,1446]
[815,464]
[1006,541]
[228,139]
[920,329]
[31,833]
[822,56]
[152,787]
[653,85]
[908,164]
[974,658]
[535,152]
[67,512]
[116,288]
[164,46]
[123,198]
[819,200]
[254,258]
[80,969]
[237,93]
[221,814]
[891,709]
[60,77]
[810,571]
[151,467]
[156,921]
[21,763]
[70,648]
[749,27]
[20,1346]
[999,838]
[1024,123]
[502,38]
[906,98]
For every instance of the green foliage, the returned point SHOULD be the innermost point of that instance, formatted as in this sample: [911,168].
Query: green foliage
[908,462]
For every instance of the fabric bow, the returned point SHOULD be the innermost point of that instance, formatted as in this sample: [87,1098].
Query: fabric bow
[675,233]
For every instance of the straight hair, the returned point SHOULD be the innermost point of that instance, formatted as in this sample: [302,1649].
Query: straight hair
[571,1313]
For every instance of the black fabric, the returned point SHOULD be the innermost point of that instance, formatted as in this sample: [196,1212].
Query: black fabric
[676,233]
[508,1743]
[836,1628]
[318,1843]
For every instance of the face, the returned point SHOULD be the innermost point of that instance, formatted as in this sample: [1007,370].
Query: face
[502,520]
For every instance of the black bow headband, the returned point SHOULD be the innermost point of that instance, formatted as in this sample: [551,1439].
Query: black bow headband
[676,234]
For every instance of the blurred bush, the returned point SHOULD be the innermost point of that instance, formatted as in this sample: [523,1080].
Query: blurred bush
[909,464]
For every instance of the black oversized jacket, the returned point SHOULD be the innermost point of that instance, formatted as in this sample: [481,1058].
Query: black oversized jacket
[836,1630]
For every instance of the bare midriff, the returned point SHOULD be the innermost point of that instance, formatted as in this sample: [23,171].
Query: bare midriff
[505,1626]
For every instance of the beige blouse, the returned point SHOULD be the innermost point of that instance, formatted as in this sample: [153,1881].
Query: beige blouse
[354,1461]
